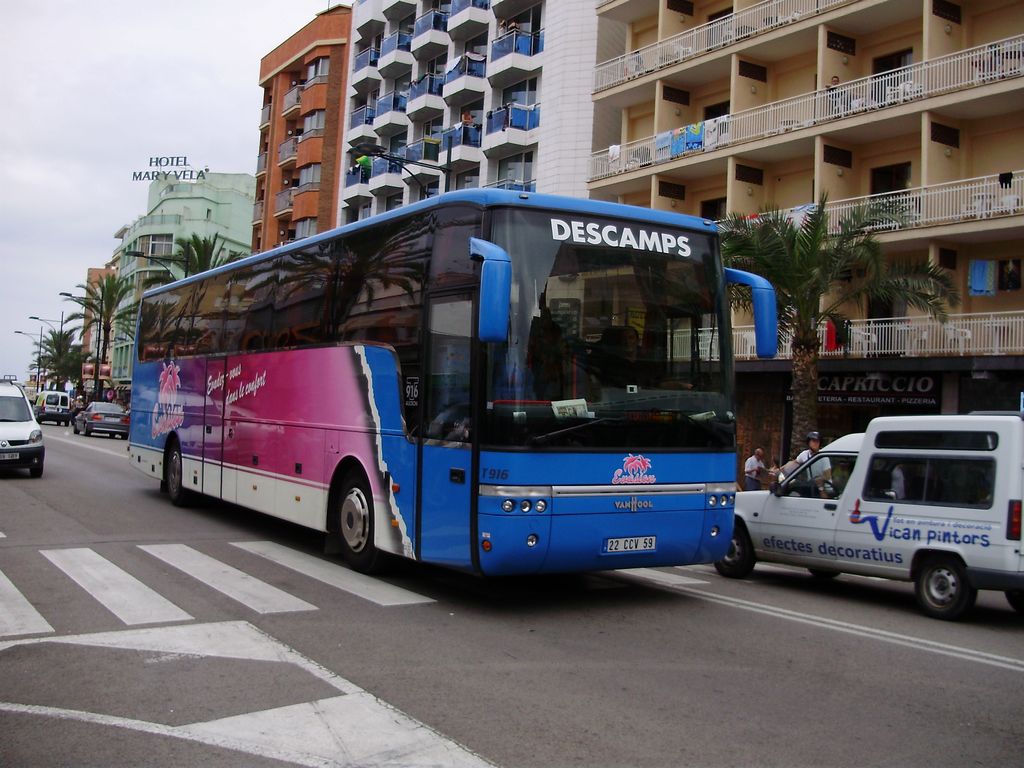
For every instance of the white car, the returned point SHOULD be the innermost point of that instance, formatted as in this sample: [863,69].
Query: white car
[21,439]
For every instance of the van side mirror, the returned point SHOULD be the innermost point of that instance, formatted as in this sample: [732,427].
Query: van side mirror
[495,289]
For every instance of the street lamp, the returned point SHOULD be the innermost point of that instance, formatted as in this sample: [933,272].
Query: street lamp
[52,327]
[39,350]
[140,254]
[376,150]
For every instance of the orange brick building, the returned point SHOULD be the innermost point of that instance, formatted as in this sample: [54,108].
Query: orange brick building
[301,130]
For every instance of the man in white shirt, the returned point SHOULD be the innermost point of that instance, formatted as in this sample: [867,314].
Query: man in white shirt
[752,470]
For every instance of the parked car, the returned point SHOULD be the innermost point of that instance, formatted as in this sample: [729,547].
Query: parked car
[21,439]
[102,419]
[53,406]
[935,500]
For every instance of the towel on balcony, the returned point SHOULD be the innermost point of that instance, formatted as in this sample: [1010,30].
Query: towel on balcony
[678,141]
[981,280]
[711,133]
[695,136]
[663,145]
[613,154]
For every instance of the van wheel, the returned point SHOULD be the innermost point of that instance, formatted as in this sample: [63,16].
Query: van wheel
[942,588]
[174,476]
[1015,597]
[818,573]
[352,507]
[739,561]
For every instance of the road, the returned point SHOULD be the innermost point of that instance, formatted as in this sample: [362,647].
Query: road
[136,633]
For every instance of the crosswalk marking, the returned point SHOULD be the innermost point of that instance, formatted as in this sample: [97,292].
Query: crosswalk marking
[238,585]
[333,575]
[119,592]
[17,616]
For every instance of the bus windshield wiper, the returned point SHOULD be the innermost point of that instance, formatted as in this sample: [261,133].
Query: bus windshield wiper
[540,439]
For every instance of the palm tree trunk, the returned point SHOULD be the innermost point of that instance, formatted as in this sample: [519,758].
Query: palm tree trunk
[805,393]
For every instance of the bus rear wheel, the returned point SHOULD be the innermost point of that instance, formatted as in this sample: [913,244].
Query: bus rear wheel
[174,475]
[353,508]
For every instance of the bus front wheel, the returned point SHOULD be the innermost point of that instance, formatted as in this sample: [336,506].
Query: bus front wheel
[355,526]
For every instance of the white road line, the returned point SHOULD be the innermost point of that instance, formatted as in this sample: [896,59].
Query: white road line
[662,577]
[333,574]
[119,592]
[894,638]
[17,616]
[249,591]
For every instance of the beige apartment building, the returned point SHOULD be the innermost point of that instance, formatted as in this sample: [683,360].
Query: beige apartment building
[708,108]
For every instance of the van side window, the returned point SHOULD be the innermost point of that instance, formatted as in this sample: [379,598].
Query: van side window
[953,481]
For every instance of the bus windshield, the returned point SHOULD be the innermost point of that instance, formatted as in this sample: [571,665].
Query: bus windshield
[618,337]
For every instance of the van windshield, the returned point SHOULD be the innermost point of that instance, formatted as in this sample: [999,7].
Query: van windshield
[14,409]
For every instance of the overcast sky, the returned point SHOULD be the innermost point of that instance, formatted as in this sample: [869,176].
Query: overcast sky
[90,91]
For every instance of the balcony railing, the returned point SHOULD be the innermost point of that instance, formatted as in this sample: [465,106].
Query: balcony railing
[292,99]
[399,41]
[461,136]
[946,74]
[432,20]
[460,5]
[367,58]
[265,115]
[425,149]
[362,116]
[936,204]
[287,150]
[283,200]
[428,84]
[980,334]
[515,185]
[517,42]
[466,65]
[751,21]
[257,211]
[524,118]
[261,162]
[156,220]
[391,102]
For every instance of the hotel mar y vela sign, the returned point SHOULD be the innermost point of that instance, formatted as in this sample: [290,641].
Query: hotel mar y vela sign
[170,167]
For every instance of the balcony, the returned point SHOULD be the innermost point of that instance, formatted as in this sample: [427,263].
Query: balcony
[390,117]
[386,176]
[509,128]
[968,200]
[360,126]
[755,20]
[506,9]
[514,57]
[965,70]
[261,163]
[430,35]
[468,18]
[974,334]
[397,9]
[367,19]
[461,148]
[466,81]
[292,101]
[287,150]
[513,185]
[265,116]
[257,212]
[425,101]
[365,77]
[283,202]
[424,151]
[357,189]
[395,56]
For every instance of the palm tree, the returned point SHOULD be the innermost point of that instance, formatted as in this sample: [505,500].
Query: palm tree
[102,311]
[820,269]
[196,254]
[61,356]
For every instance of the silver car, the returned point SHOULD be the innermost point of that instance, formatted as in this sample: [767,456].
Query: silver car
[102,419]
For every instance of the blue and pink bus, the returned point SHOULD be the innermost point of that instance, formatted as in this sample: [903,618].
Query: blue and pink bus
[497,382]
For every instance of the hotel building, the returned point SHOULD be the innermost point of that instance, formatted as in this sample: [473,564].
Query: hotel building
[710,107]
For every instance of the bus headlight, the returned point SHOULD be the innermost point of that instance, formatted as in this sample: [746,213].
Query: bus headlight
[508,505]
[525,505]
[541,505]
[712,501]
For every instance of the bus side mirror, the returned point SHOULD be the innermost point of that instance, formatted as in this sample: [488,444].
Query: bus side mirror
[495,289]
[766,321]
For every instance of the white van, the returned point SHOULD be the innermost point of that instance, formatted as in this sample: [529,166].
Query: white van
[53,406]
[931,499]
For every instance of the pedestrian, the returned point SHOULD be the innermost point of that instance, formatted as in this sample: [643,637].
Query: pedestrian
[752,471]
[813,446]
[363,164]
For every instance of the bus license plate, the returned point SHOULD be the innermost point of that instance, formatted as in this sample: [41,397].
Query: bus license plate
[631,544]
[9,456]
